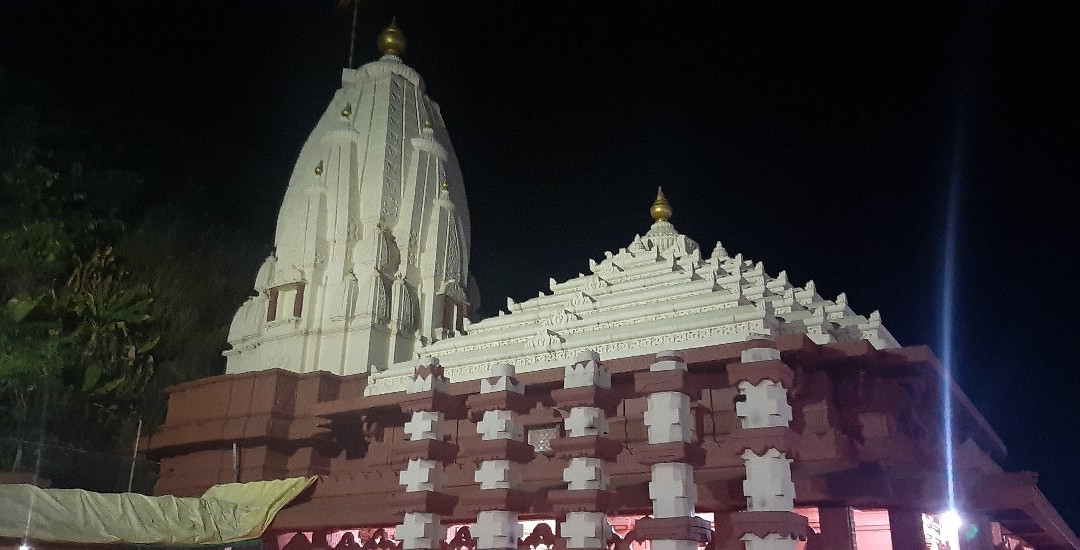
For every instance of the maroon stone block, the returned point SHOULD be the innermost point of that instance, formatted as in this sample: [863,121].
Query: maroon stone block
[587,500]
[588,396]
[424,501]
[760,440]
[429,449]
[757,371]
[678,451]
[498,499]
[788,524]
[684,528]
[499,449]
[646,382]
[434,401]
[587,446]
[479,403]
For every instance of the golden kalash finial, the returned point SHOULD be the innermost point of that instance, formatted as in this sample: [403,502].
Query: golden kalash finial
[661,210]
[444,185]
[391,41]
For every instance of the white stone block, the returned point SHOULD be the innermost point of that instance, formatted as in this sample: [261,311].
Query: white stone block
[501,379]
[583,421]
[586,371]
[754,355]
[497,474]
[766,405]
[422,475]
[425,425]
[772,541]
[496,530]
[586,473]
[668,360]
[420,531]
[586,530]
[500,424]
[673,545]
[433,380]
[668,418]
[768,485]
[673,490]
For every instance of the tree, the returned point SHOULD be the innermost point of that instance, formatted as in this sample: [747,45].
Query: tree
[74,363]
[75,331]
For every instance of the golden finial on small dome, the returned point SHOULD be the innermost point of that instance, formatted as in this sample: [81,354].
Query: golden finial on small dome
[444,185]
[391,41]
[661,210]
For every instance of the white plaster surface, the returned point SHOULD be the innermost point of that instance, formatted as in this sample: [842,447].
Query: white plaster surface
[380,250]
[586,371]
[586,473]
[586,530]
[497,474]
[668,418]
[496,529]
[501,379]
[500,424]
[585,421]
[371,267]
[766,405]
[425,425]
[422,475]
[772,541]
[420,531]
[673,490]
[768,485]
[673,545]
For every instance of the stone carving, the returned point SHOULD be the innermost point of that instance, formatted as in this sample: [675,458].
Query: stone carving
[768,485]
[497,474]
[497,529]
[586,473]
[764,405]
[673,490]
[668,418]
[422,475]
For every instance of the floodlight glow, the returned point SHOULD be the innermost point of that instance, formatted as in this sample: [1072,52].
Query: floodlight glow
[951,521]
[947,295]
[25,546]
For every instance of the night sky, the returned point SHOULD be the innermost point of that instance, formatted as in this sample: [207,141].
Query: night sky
[820,138]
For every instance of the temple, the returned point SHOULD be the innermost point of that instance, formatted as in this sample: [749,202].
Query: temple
[670,398]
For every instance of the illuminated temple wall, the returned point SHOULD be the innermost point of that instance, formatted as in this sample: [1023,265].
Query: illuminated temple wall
[871,533]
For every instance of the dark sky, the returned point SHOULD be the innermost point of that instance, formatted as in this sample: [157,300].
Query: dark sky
[818,137]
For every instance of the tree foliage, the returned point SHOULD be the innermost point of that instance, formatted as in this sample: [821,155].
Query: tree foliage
[76,334]
[92,333]
[74,362]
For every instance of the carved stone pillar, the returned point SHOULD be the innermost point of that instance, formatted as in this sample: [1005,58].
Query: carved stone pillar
[767,443]
[906,529]
[584,504]
[500,451]
[671,455]
[426,452]
[837,528]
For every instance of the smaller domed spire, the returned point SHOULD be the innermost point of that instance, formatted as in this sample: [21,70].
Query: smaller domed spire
[391,41]
[661,210]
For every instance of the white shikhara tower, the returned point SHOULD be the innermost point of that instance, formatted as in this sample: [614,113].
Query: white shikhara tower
[372,243]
